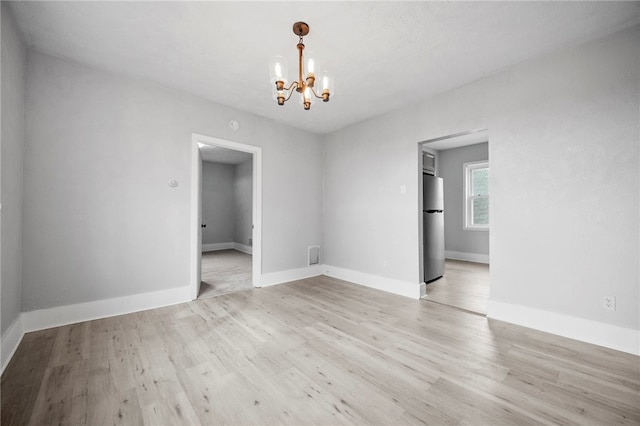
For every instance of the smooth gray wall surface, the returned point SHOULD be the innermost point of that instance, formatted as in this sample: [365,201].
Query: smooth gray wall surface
[218,209]
[563,132]
[13,67]
[451,169]
[100,219]
[243,202]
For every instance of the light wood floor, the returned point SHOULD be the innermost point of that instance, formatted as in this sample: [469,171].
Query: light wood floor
[465,285]
[316,351]
[225,271]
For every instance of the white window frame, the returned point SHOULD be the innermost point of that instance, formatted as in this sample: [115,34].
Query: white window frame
[468,168]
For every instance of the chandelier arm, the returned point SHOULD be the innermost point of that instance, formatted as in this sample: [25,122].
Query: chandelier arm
[291,86]
[315,94]
[290,90]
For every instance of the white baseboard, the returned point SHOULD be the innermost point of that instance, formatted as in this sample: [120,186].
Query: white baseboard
[227,246]
[10,341]
[281,277]
[217,246]
[70,314]
[423,290]
[469,257]
[598,333]
[243,248]
[402,288]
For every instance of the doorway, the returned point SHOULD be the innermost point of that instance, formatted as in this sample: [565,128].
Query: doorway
[462,163]
[226,263]
[226,225]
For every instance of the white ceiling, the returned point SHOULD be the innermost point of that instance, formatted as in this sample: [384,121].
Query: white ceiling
[217,154]
[383,55]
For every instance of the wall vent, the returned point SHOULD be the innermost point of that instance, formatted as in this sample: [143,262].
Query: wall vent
[314,255]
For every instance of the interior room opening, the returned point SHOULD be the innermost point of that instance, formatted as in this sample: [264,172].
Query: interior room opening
[227,240]
[455,219]
[226,224]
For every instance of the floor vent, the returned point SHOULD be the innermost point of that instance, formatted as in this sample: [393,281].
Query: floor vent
[314,255]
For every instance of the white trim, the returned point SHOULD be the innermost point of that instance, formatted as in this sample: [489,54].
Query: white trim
[79,312]
[195,250]
[597,333]
[469,257]
[402,288]
[10,341]
[217,246]
[243,248]
[281,277]
[256,201]
[231,245]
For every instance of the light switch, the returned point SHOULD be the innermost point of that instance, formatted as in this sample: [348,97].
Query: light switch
[403,189]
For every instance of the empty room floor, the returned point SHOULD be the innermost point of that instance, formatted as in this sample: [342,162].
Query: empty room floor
[315,351]
[465,285]
[225,271]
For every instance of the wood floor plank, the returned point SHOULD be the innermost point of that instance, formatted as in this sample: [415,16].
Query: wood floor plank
[308,399]
[107,405]
[576,407]
[23,376]
[356,396]
[62,398]
[176,410]
[314,351]
[71,344]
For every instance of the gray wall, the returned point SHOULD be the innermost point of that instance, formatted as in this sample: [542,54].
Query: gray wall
[227,195]
[243,202]
[13,61]
[563,132]
[218,208]
[100,220]
[456,238]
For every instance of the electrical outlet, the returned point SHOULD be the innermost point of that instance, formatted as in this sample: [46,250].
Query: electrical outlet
[609,302]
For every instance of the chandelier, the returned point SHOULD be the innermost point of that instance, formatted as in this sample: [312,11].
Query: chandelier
[306,83]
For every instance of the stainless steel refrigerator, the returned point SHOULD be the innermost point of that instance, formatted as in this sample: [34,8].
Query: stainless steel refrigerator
[433,227]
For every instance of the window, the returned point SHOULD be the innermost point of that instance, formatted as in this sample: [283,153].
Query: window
[476,189]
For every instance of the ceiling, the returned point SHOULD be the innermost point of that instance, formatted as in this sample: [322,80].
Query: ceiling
[383,55]
[217,154]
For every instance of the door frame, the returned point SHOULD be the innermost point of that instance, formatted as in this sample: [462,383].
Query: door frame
[196,205]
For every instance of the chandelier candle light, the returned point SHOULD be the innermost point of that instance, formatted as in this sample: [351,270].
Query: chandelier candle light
[306,83]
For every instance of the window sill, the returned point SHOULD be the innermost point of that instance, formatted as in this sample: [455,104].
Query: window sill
[475,228]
